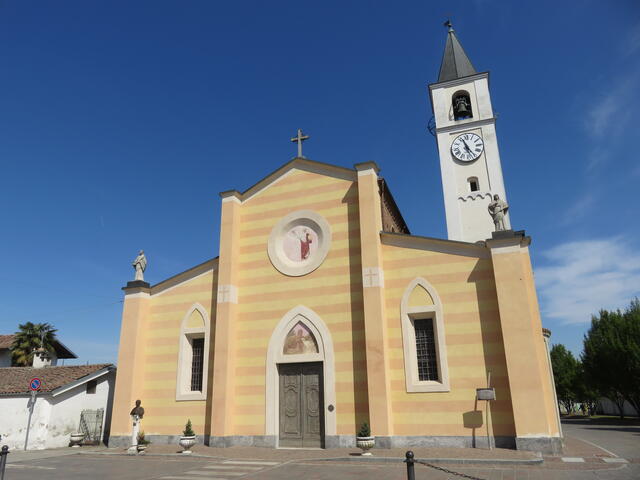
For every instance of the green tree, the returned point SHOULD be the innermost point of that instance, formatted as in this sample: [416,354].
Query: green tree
[584,391]
[630,333]
[28,338]
[611,355]
[565,374]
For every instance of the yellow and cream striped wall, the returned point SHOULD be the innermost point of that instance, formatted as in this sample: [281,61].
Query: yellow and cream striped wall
[463,275]
[465,285]
[169,309]
[333,292]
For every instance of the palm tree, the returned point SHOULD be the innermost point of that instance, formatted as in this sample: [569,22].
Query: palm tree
[30,337]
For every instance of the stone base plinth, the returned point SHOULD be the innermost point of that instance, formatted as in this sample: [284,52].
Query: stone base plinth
[550,445]
[137,284]
[503,234]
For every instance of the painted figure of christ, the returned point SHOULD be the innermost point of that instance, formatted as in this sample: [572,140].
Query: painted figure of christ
[300,243]
[305,245]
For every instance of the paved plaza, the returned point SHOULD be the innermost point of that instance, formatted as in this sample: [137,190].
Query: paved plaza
[593,451]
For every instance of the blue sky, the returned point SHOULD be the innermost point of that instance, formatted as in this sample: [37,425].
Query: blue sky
[121,121]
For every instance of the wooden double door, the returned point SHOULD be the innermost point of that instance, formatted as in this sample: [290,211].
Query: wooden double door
[301,405]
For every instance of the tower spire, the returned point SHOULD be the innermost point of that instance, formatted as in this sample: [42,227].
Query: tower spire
[455,63]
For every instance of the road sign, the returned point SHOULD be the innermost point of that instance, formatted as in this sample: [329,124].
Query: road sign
[486,393]
[35,384]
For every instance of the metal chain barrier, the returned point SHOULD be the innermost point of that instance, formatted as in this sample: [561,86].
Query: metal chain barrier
[411,475]
[463,475]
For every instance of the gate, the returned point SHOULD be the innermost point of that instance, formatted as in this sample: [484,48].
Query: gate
[91,426]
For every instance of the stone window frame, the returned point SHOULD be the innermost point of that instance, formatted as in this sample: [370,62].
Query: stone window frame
[408,315]
[183,377]
[275,356]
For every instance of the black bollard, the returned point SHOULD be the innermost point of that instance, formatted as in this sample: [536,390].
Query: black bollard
[3,460]
[411,474]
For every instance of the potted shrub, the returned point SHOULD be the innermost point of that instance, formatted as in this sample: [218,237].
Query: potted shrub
[364,440]
[188,438]
[142,443]
[76,439]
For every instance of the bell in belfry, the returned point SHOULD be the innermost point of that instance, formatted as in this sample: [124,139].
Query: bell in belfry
[462,107]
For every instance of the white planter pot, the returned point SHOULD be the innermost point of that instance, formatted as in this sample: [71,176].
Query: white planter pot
[365,443]
[76,439]
[186,443]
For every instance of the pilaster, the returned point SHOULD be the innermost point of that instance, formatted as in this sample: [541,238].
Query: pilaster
[226,312]
[375,326]
[129,380]
[529,380]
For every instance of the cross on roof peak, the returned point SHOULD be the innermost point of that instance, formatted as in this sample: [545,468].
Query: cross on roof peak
[299,138]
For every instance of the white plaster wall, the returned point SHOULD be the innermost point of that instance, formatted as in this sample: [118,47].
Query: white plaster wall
[478,89]
[5,358]
[54,418]
[66,409]
[14,418]
[468,219]
[476,221]
[463,170]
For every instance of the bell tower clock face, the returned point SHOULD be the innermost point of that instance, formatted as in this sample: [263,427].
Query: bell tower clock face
[467,147]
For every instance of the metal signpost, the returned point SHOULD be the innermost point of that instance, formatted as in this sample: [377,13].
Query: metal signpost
[488,394]
[34,385]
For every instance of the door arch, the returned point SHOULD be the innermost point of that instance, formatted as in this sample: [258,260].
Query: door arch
[309,319]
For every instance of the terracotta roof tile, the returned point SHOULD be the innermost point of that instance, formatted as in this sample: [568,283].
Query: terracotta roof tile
[6,341]
[15,380]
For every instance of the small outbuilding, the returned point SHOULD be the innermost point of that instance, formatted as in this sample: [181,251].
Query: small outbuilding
[75,398]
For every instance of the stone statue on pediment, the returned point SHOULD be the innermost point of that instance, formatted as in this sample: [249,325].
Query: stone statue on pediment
[140,265]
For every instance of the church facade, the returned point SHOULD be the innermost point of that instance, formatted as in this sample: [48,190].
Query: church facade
[323,312]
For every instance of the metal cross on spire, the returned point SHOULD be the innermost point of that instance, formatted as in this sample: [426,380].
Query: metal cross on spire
[449,25]
[301,137]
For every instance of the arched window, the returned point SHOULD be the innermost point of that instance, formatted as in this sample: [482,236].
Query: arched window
[423,339]
[461,104]
[473,183]
[193,355]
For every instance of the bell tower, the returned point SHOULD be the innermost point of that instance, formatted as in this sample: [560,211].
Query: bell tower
[467,144]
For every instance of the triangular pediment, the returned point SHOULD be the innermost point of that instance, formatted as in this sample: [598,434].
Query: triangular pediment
[298,163]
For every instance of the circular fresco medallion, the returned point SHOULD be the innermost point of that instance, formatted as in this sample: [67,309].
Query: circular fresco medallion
[299,243]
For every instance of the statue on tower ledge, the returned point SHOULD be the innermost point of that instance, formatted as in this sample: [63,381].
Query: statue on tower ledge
[498,209]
